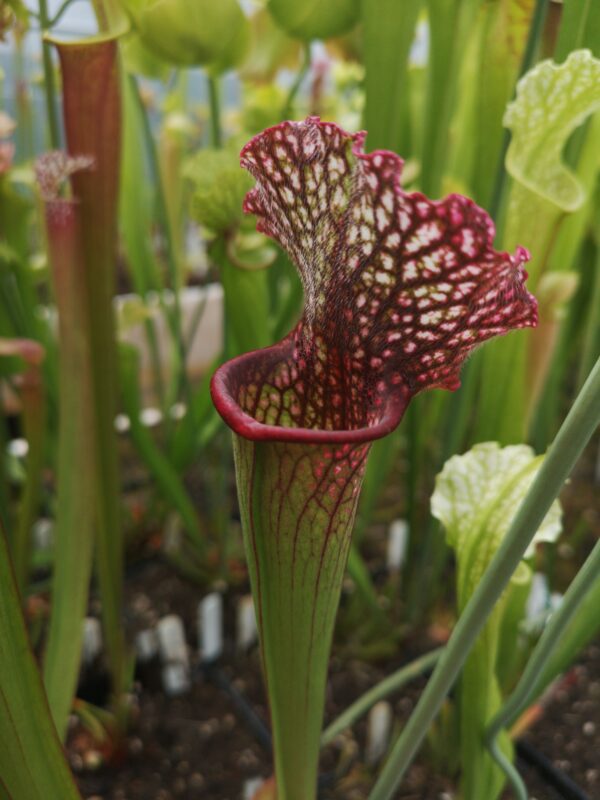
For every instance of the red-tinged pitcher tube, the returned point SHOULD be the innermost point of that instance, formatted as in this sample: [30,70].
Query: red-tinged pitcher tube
[92,120]
[76,479]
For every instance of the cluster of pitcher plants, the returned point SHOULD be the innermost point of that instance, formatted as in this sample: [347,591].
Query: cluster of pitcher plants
[362,275]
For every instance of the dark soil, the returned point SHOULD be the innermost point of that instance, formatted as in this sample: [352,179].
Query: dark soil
[199,745]
[569,730]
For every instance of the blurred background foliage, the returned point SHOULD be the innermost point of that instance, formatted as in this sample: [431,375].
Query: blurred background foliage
[429,79]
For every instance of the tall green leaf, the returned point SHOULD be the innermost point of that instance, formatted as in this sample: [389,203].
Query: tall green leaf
[92,115]
[388,32]
[579,27]
[450,24]
[32,763]
[76,461]
[505,25]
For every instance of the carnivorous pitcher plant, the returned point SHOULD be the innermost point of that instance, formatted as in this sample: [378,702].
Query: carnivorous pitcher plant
[398,290]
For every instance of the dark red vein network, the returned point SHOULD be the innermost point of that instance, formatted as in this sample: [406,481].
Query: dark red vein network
[398,289]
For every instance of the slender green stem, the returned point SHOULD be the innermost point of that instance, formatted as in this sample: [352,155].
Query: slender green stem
[529,685]
[49,81]
[61,10]
[166,476]
[574,434]
[453,418]
[78,466]
[388,30]
[24,133]
[136,219]
[357,569]
[535,33]
[288,106]
[155,359]
[510,771]
[173,315]
[5,508]
[214,97]
[450,24]
[32,761]
[34,420]
[591,337]
[417,546]
[190,334]
[383,689]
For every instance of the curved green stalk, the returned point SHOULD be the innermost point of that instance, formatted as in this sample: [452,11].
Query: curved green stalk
[214,97]
[574,434]
[288,106]
[64,6]
[591,333]
[32,763]
[535,33]
[49,80]
[173,312]
[136,220]
[530,683]
[383,689]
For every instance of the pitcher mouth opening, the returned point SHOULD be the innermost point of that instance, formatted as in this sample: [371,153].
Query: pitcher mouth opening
[382,418]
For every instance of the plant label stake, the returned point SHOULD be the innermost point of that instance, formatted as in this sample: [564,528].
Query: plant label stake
[92,640]
[538,601]
[210,623]
[174,655]
[397,544]
[43,534]
[251,787]
[146,645]
[246,623]
[379,726]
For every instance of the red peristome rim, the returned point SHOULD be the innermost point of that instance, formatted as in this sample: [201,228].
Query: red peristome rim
[244,425]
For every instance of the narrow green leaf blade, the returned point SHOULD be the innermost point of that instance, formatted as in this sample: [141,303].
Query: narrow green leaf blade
[76,462]
[580,27]
[32,764]
[504,36]
[450,23]
[389,29]
[162,469]
[92,116]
